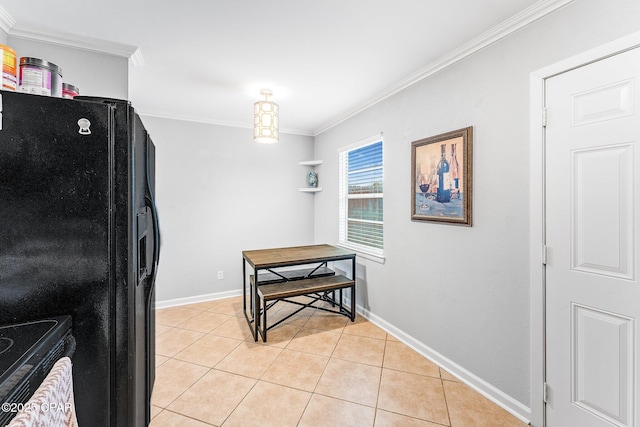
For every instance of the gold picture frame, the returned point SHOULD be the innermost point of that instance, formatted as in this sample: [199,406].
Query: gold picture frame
[441,178]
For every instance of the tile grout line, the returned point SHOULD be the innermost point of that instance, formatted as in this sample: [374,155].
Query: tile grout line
[186,416]
[240,402]
[384,352]
[188,388]
[444,394]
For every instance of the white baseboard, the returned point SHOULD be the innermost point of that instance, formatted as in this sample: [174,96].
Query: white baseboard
[500,398]
[197,299]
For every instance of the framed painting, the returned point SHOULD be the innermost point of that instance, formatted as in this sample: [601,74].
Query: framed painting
[441,176]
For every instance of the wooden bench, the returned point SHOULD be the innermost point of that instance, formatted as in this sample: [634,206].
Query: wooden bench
[279,276]
[317,288]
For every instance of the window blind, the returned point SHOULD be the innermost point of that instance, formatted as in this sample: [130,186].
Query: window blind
[361,195]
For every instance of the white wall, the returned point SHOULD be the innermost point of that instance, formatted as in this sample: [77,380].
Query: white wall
[220,193]
[464,292]
[95,74]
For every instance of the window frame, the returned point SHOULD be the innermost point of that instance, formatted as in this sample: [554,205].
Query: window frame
[369,252]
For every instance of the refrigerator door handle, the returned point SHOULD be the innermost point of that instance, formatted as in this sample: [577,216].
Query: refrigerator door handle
[156,236]
[144,262]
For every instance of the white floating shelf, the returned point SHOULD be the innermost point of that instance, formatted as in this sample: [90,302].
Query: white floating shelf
[310,162]
[310,189]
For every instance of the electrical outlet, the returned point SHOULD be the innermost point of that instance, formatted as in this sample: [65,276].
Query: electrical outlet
[220,275]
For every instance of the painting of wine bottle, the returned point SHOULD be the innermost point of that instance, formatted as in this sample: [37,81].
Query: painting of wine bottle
[441,177]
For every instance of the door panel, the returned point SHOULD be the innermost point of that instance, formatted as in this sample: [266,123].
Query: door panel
[592,172]
[602,240]
[603,103]
[602,380]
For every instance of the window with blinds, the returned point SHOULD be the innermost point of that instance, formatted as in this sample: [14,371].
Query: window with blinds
[361,196]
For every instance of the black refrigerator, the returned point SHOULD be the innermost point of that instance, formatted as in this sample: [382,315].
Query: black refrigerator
[79,236]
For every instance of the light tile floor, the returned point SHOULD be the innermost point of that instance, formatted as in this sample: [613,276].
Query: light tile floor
[317,369]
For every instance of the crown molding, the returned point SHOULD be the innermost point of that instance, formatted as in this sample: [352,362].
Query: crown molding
[72,40]
[510,26]
[13,29]
[6,21]
[204,120]
[137,60]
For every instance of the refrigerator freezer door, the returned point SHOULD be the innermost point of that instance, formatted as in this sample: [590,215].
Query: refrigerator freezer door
[56,159]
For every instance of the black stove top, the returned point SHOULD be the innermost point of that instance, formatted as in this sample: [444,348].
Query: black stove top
[23,344]
[17,340]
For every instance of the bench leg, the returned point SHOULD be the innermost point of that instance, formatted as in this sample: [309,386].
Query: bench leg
[264,321]
[353,303]
[254,322]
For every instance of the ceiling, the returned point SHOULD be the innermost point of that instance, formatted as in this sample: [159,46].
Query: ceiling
[324,60]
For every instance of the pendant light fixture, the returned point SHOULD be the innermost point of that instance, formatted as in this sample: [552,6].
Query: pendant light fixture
[265,120]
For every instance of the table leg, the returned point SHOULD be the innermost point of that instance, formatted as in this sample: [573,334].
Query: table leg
[244,287]
[252,305]
[353,289]
[256,306]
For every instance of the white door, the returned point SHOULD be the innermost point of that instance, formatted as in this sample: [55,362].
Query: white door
[592,187]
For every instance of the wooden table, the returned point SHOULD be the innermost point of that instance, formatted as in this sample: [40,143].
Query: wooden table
[273,280]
